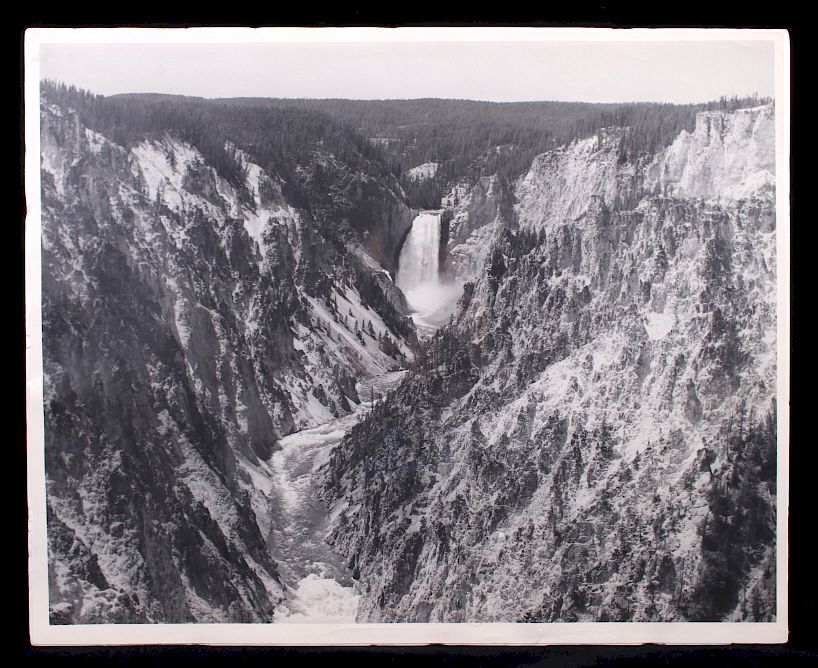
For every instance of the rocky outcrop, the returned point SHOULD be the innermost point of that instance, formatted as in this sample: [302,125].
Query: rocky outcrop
[476,213]
[593,438]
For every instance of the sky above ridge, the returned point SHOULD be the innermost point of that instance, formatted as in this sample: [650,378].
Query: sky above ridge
[510,70]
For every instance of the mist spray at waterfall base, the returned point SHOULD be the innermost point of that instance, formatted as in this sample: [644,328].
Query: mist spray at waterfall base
[432,298]
[434,302]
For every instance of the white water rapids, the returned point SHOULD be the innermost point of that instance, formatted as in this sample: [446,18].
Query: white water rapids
[319,587]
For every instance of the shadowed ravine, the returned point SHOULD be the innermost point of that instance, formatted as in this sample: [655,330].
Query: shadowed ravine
[319,586]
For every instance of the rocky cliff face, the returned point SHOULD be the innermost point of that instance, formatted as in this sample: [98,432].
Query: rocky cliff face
[593,438]
[187,324]
[727,155]
[478,213]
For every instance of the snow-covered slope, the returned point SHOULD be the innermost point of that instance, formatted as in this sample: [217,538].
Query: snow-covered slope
[593,439]
[189,322]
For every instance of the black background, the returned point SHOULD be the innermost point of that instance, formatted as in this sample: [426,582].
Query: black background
[801,649]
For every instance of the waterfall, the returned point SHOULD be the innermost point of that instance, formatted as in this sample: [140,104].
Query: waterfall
[419,258]
[419,270]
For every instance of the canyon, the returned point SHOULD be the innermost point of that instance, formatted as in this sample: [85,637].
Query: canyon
[283,391]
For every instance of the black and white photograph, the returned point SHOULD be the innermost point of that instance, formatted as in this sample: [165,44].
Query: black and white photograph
[452,335]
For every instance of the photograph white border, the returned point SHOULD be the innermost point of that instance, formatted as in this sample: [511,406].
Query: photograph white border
[43,633]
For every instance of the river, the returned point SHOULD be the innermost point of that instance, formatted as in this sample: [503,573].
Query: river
[320,589]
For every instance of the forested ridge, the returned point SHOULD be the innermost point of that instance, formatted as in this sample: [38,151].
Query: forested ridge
[466,138]
[477,138]
[278,138]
